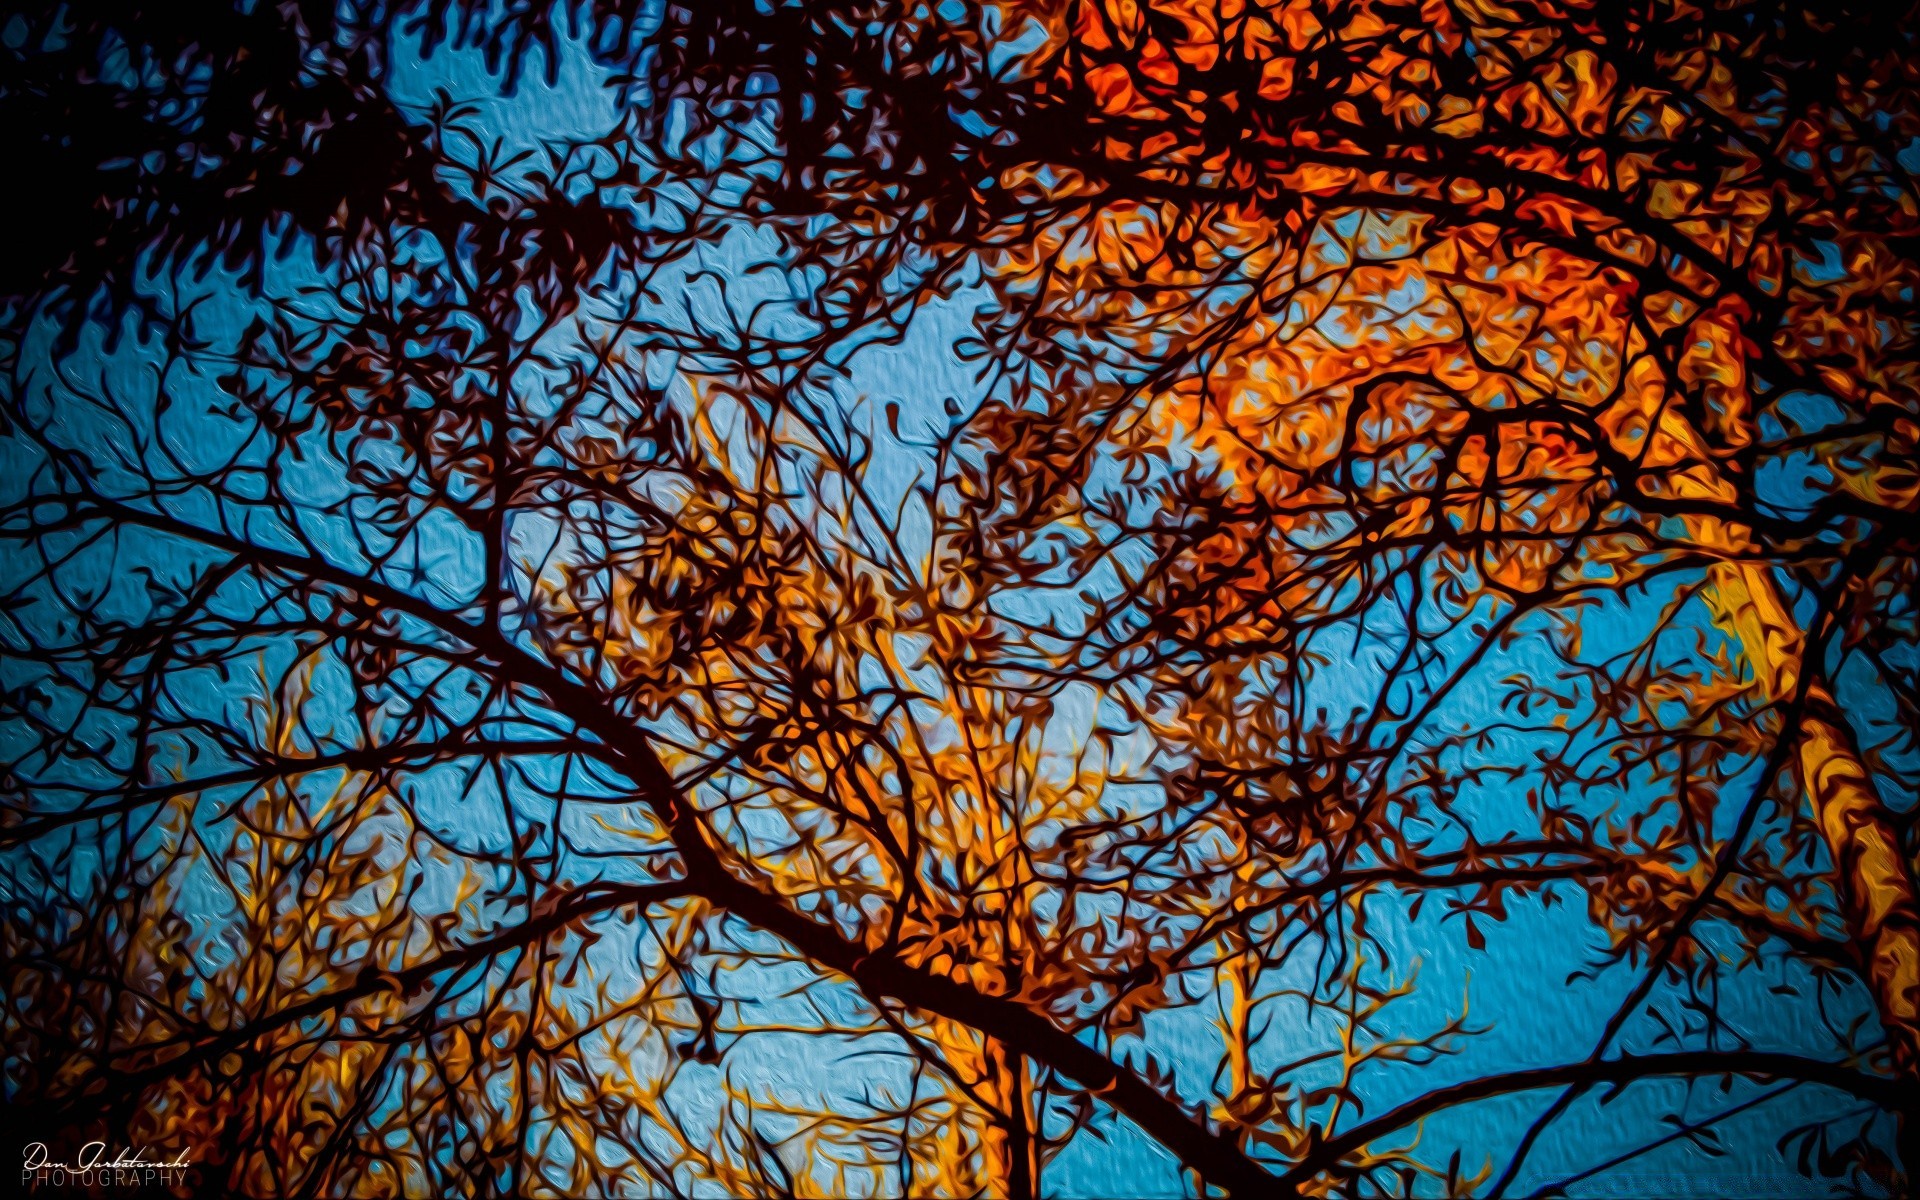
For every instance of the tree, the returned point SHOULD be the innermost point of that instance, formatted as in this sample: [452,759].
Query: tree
[974,540]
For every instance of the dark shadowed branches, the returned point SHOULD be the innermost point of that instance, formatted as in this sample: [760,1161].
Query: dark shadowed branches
[962,598]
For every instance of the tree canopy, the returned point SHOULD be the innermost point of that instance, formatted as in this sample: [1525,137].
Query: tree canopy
[993,597]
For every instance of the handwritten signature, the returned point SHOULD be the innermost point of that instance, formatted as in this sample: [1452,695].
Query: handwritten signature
[93,1158]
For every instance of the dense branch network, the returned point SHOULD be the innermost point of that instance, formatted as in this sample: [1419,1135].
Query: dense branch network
[496,658]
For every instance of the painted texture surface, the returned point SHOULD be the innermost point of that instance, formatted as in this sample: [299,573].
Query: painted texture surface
[1004,597]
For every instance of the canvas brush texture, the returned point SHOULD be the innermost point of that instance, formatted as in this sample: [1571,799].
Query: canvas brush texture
[999,598]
